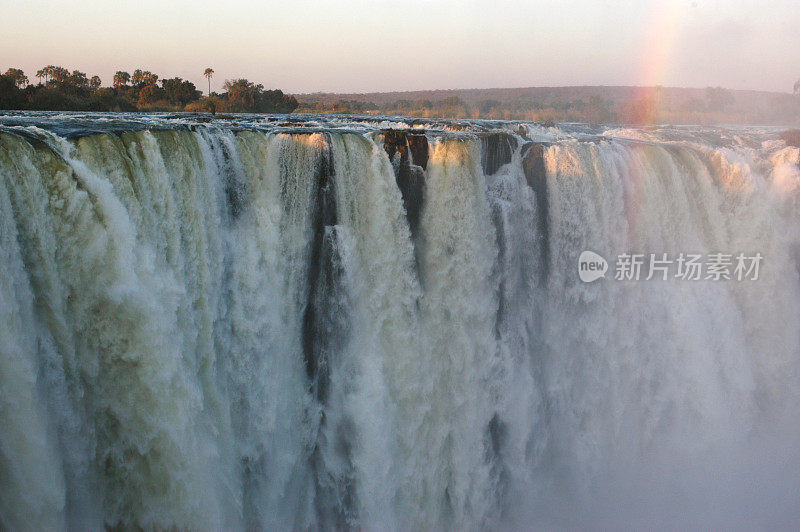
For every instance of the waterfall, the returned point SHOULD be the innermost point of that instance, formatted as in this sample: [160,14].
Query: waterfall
[377,325]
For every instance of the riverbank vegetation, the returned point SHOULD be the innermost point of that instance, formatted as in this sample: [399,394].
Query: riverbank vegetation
[59,89]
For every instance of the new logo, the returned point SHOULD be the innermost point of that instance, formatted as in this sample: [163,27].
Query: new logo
[591,266]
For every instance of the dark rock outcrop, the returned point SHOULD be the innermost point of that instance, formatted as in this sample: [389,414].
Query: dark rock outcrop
[408,151]
[322,323]
[405,142]
[496,150]
[536,175]
[418,144]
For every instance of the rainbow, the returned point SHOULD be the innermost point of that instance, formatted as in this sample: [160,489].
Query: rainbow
[664,24]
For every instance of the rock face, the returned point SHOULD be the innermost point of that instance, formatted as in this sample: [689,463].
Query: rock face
[404,142]
[536,175]
[496,150]
[320,320]
[408,151]
[418,144]
[791,137]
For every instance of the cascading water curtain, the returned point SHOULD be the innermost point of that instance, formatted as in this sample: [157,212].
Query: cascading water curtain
[211,328]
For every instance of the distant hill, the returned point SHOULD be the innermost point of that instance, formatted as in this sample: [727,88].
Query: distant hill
[580,104]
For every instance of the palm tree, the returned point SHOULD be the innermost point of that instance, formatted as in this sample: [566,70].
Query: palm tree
[797,87]
[53,73]
[47,72]
[41,74]
[59,74]
[209,73]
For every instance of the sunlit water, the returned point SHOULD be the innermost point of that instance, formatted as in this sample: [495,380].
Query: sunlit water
[321,322]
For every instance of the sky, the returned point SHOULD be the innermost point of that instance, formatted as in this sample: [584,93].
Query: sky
[362,46]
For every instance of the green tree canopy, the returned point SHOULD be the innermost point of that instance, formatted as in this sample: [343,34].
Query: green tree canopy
[150,94]
[121,78]
[62,89]
[17,76]
[179,92]
[245,96]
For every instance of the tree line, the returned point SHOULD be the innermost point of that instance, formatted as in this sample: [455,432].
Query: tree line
[623,105]
[59,89]
[592,109]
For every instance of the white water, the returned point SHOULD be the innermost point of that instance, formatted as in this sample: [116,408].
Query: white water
[211,329]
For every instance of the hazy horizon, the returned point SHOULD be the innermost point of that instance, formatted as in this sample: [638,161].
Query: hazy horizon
[521,87]
[357,47]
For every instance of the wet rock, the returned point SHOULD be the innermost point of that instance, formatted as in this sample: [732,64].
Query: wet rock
[408,151]
[411,182]
[536,176]
[394,141]
[407,142]
[496,150]
[321,322]
[418,144]
[533,164]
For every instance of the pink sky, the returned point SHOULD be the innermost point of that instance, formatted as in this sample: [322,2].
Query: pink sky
[359,46]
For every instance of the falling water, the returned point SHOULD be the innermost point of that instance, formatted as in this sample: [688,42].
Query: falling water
[329,323]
